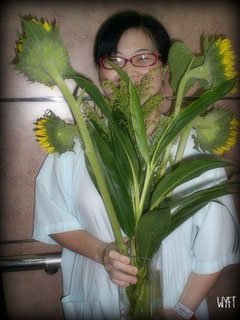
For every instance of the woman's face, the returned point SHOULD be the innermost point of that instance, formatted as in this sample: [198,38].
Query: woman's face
[133,42]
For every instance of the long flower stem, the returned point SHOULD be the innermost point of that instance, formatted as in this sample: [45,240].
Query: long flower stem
[180,93]
[182,144]
[169,147]
[178,103]
[144,192]
[184,136]
[90,152]
[185,133]
[181,87]
[165,160]
[149,172]
[179,96]
[180,151]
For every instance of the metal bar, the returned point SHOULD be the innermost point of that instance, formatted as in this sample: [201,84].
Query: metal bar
[33,99]
[61,99]
[17,241]
[38,99]
[50,262]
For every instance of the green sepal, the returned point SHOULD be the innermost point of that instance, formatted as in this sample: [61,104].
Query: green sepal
[179,59]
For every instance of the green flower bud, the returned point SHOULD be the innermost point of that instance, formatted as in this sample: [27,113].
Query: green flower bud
[217,131]
[39,45]
[55,135]
[218,66]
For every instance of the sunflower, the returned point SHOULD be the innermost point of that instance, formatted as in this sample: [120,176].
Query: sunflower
[217,131]
[232,139]
[55,135]
[228,60]
[218,66]
[43,136]
[40,45]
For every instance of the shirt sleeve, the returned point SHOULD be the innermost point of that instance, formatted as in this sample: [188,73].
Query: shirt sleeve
[216,231]
[54,210]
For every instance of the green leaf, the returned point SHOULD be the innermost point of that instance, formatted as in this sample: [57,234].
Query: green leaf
[183,173]
[122,74]
[179,59]
[150,232]
[120,198]
[137,116]
[197,61]
[93,91]
[123,163]
[189,113]
[138,123]
[220,189]
[101,130]
[198,200]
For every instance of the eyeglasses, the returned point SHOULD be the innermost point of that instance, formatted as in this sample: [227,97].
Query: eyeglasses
[139,60]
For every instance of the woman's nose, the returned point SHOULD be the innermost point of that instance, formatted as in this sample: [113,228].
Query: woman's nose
[132,72]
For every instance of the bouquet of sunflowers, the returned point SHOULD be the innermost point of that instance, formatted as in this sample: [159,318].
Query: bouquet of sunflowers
[136,175]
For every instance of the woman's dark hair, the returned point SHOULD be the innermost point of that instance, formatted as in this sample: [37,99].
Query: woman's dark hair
[112,29]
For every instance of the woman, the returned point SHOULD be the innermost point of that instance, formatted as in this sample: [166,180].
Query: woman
[69,210]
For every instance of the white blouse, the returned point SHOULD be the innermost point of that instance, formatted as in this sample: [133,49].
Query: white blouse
[66,199]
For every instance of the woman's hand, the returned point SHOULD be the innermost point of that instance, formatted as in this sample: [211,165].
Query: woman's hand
[118,266]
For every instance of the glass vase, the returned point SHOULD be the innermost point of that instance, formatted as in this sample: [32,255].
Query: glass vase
[143,300]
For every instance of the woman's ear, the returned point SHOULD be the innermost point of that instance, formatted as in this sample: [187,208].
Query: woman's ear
[166,88]
[97,69]
[165,74]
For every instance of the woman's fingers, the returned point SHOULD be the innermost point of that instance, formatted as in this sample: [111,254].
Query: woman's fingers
[121,283]
[118,266]
[127,268]
[118,275]
[120,262]
[114,255]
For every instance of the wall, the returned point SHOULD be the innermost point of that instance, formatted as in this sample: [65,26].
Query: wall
[35,294]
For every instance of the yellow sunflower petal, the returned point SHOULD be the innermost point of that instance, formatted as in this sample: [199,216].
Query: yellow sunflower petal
[34,20]
[20,46]
[42,120]
[43,139]
[235,122]
[47,26]
[234,133]
[45,144]
[225,148]
[51,150]
[228,59]
[218,150]
[40,127]
[41,131]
